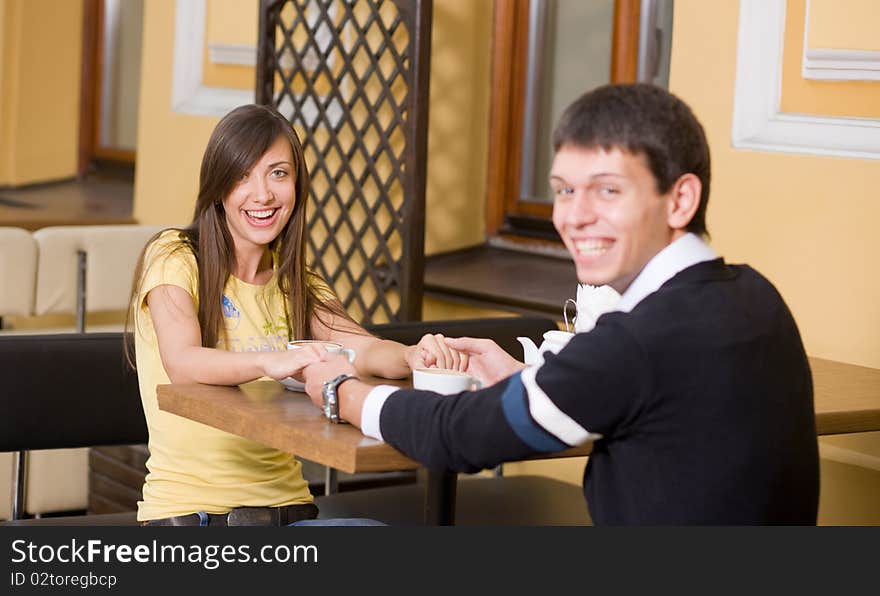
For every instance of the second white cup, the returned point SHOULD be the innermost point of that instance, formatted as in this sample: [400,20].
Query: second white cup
[445,381]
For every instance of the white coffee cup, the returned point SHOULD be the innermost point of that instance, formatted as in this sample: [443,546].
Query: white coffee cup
[330,346]
[445,381]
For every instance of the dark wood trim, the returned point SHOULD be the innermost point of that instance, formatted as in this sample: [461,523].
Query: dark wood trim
[412,274]
[88,86]
[625,41]
[509,51]
[92,82]
[123,155]
[507,102]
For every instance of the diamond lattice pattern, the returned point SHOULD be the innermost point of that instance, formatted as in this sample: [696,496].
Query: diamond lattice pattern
[342,76]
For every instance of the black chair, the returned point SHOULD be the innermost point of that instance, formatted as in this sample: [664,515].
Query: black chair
[69,390]
[504,330]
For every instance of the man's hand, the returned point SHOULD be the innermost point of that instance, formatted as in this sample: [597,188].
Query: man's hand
[432,350]
[328,367]
[486,360]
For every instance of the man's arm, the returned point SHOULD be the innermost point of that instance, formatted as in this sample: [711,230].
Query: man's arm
[352,394]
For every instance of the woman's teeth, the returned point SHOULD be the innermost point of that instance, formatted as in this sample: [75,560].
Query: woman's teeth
[265,214]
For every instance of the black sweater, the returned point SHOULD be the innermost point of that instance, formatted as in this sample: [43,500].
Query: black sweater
[702,394]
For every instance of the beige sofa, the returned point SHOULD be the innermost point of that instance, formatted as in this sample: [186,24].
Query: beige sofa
[52,280]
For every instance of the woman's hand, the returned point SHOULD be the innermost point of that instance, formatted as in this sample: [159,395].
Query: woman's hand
[290,363]
[433,351]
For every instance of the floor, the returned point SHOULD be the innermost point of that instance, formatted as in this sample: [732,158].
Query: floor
[103,197]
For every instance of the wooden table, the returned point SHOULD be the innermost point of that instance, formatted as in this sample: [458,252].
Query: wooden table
[846,397]
[265,412]
[847,400]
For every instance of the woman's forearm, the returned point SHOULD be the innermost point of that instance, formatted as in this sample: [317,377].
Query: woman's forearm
[195,364]
[383,358]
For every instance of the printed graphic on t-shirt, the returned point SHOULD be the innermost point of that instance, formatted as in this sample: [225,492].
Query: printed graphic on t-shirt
[253,344]
[278,329]
[231,314]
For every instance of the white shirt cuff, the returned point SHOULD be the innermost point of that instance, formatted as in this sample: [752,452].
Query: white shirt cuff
[372,410]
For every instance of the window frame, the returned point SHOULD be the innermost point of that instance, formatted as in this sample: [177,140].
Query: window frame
[507,215]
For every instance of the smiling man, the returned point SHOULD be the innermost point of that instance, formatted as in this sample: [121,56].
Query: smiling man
[696,389]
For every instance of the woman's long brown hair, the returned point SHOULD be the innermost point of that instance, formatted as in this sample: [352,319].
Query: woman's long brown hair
[237,143]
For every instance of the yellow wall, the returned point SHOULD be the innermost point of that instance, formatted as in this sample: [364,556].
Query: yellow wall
[241,30]
[39,89]
[170,145]
[807,222]
[852,25]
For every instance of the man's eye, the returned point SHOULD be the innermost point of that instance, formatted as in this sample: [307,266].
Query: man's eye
[563,190]
[607,192]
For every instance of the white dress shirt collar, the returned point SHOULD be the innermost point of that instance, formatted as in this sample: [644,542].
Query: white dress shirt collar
[688,250]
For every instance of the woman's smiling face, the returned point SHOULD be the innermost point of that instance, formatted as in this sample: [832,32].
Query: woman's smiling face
[261,203]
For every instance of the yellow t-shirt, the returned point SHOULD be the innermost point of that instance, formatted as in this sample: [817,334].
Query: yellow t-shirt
[193,467]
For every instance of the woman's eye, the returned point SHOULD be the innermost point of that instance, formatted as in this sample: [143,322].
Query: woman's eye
[279,173]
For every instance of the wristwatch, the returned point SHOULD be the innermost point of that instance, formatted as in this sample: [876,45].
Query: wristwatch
[331,397]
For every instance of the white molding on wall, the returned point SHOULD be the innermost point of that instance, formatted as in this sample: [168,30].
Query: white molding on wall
[188,93]
[837,64]
[840,65]
[239,54]
[758,122]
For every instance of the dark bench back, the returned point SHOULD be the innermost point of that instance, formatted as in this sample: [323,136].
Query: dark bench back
[75,389]
[504,330]
[68,390]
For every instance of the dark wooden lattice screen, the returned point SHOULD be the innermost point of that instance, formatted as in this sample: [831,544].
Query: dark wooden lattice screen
[352,77]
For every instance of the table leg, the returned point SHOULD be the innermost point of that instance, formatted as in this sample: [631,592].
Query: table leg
[440,497]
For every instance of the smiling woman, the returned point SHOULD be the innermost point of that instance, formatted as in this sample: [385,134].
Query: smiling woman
[217,303]
[259,207]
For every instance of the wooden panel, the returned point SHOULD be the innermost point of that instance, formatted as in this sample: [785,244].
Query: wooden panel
[625,42]
[116,477]
[507,101]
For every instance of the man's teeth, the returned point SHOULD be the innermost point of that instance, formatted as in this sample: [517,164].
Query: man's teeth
[260,214]
[592,247]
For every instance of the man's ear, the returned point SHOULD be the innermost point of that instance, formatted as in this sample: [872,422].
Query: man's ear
[684,200]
